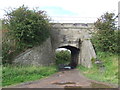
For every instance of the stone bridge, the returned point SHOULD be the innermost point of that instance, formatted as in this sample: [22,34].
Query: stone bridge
[72,36]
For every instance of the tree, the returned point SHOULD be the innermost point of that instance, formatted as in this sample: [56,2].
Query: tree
[106,37]
[25,28]
[63,57]
[28,26]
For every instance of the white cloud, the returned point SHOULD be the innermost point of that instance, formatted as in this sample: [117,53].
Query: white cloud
[82,8]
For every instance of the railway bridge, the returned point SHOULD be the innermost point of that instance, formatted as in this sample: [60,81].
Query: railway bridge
[72,36]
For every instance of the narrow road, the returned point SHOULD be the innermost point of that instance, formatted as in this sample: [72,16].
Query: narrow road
[62,79]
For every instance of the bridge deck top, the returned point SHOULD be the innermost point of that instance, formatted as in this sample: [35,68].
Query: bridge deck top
[73,25]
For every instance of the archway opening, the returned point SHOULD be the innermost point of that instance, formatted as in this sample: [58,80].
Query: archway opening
[63,56]
[67,57]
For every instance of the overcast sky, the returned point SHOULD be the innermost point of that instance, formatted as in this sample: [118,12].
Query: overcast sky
[58,9]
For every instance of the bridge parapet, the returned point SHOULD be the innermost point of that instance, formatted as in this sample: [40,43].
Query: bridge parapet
[76,35]
[73,25]
[72,36]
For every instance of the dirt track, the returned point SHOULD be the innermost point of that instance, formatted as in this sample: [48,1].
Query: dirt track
[63,79]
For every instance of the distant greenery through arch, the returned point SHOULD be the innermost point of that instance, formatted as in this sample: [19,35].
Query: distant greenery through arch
[63,57]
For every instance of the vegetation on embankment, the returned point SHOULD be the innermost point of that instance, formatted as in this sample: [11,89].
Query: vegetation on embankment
[23,28]
[17,74]
[106,72]
[105,42]
[106,39]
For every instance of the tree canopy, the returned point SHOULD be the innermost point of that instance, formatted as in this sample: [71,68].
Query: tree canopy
[24,28]
[106,38]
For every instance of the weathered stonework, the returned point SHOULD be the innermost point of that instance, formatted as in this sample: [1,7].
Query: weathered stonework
[40,55]
[75,37]
[87,53]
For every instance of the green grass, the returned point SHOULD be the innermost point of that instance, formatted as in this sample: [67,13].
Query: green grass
[17,74]
[62,57]
[0,75]
[110,72]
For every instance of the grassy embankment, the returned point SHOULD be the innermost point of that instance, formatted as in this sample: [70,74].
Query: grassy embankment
[109,73]
[16,74]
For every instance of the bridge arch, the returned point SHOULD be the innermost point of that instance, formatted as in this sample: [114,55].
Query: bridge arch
[75,37]
[74,55]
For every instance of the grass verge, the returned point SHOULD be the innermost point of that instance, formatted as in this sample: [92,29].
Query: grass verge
[16,74]
[108,73]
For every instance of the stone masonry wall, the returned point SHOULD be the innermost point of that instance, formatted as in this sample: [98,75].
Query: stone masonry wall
[87,53]
[74,35]
[40,55]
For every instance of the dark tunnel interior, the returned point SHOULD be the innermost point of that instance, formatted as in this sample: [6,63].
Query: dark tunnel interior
[74,55]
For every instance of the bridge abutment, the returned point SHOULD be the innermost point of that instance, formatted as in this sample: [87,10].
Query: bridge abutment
[75,37]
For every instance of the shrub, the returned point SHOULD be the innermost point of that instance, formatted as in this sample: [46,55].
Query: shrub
[106,38]
[108,73]
[25,28]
